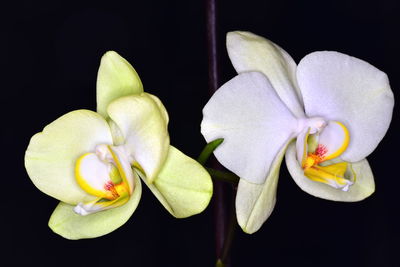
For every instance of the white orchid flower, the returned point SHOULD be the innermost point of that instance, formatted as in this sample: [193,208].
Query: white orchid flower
[327,114]
[92,162]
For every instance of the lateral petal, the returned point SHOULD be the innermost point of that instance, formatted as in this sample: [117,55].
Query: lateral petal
[115,78]
[52,154]
[254,123]
[250,52]
[144,126]
[363,186]
[346,89]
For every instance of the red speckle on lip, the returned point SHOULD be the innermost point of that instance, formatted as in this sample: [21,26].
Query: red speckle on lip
[321,151]
[109,186]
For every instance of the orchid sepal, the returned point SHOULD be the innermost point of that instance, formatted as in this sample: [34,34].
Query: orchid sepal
[115,78]
[244,50]
[182,186]
[255,202]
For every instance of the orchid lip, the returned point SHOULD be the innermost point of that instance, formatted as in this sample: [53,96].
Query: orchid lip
[320,143]
[105,174]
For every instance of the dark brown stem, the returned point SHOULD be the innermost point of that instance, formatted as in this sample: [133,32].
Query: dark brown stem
[222,191]
[212,45]
[230,234]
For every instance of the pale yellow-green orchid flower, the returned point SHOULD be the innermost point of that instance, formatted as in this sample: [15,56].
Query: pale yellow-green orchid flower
[92,162]
[327,114]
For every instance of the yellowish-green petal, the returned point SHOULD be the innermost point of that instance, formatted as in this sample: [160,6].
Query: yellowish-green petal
[51,155]
[362,188]
[161,107]
[115,78]
[144,127]
[255,202]
[183,186]
[65,222]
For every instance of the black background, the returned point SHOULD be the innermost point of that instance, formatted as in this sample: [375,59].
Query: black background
[50,55]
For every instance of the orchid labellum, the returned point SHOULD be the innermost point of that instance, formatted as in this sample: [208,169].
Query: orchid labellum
[327,114]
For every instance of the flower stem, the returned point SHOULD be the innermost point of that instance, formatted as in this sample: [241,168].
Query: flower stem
[223,176]
[213,70]
[208,150]
[222,190]
[230,235]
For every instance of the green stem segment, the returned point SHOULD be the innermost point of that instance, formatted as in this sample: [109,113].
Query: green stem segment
[223,176]
[208,150]
[216,174]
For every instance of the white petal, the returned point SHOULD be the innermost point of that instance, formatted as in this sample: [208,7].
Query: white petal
[363,187]
[255,202]
[250,52]
[254,122]
[346,89]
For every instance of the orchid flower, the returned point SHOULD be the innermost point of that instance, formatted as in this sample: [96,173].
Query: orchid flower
[326,115]
[92,162]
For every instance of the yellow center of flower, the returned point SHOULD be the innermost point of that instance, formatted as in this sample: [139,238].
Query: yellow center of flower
[331,142]
[105,174]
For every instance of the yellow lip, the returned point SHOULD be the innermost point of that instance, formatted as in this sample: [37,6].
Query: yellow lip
[334,175]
